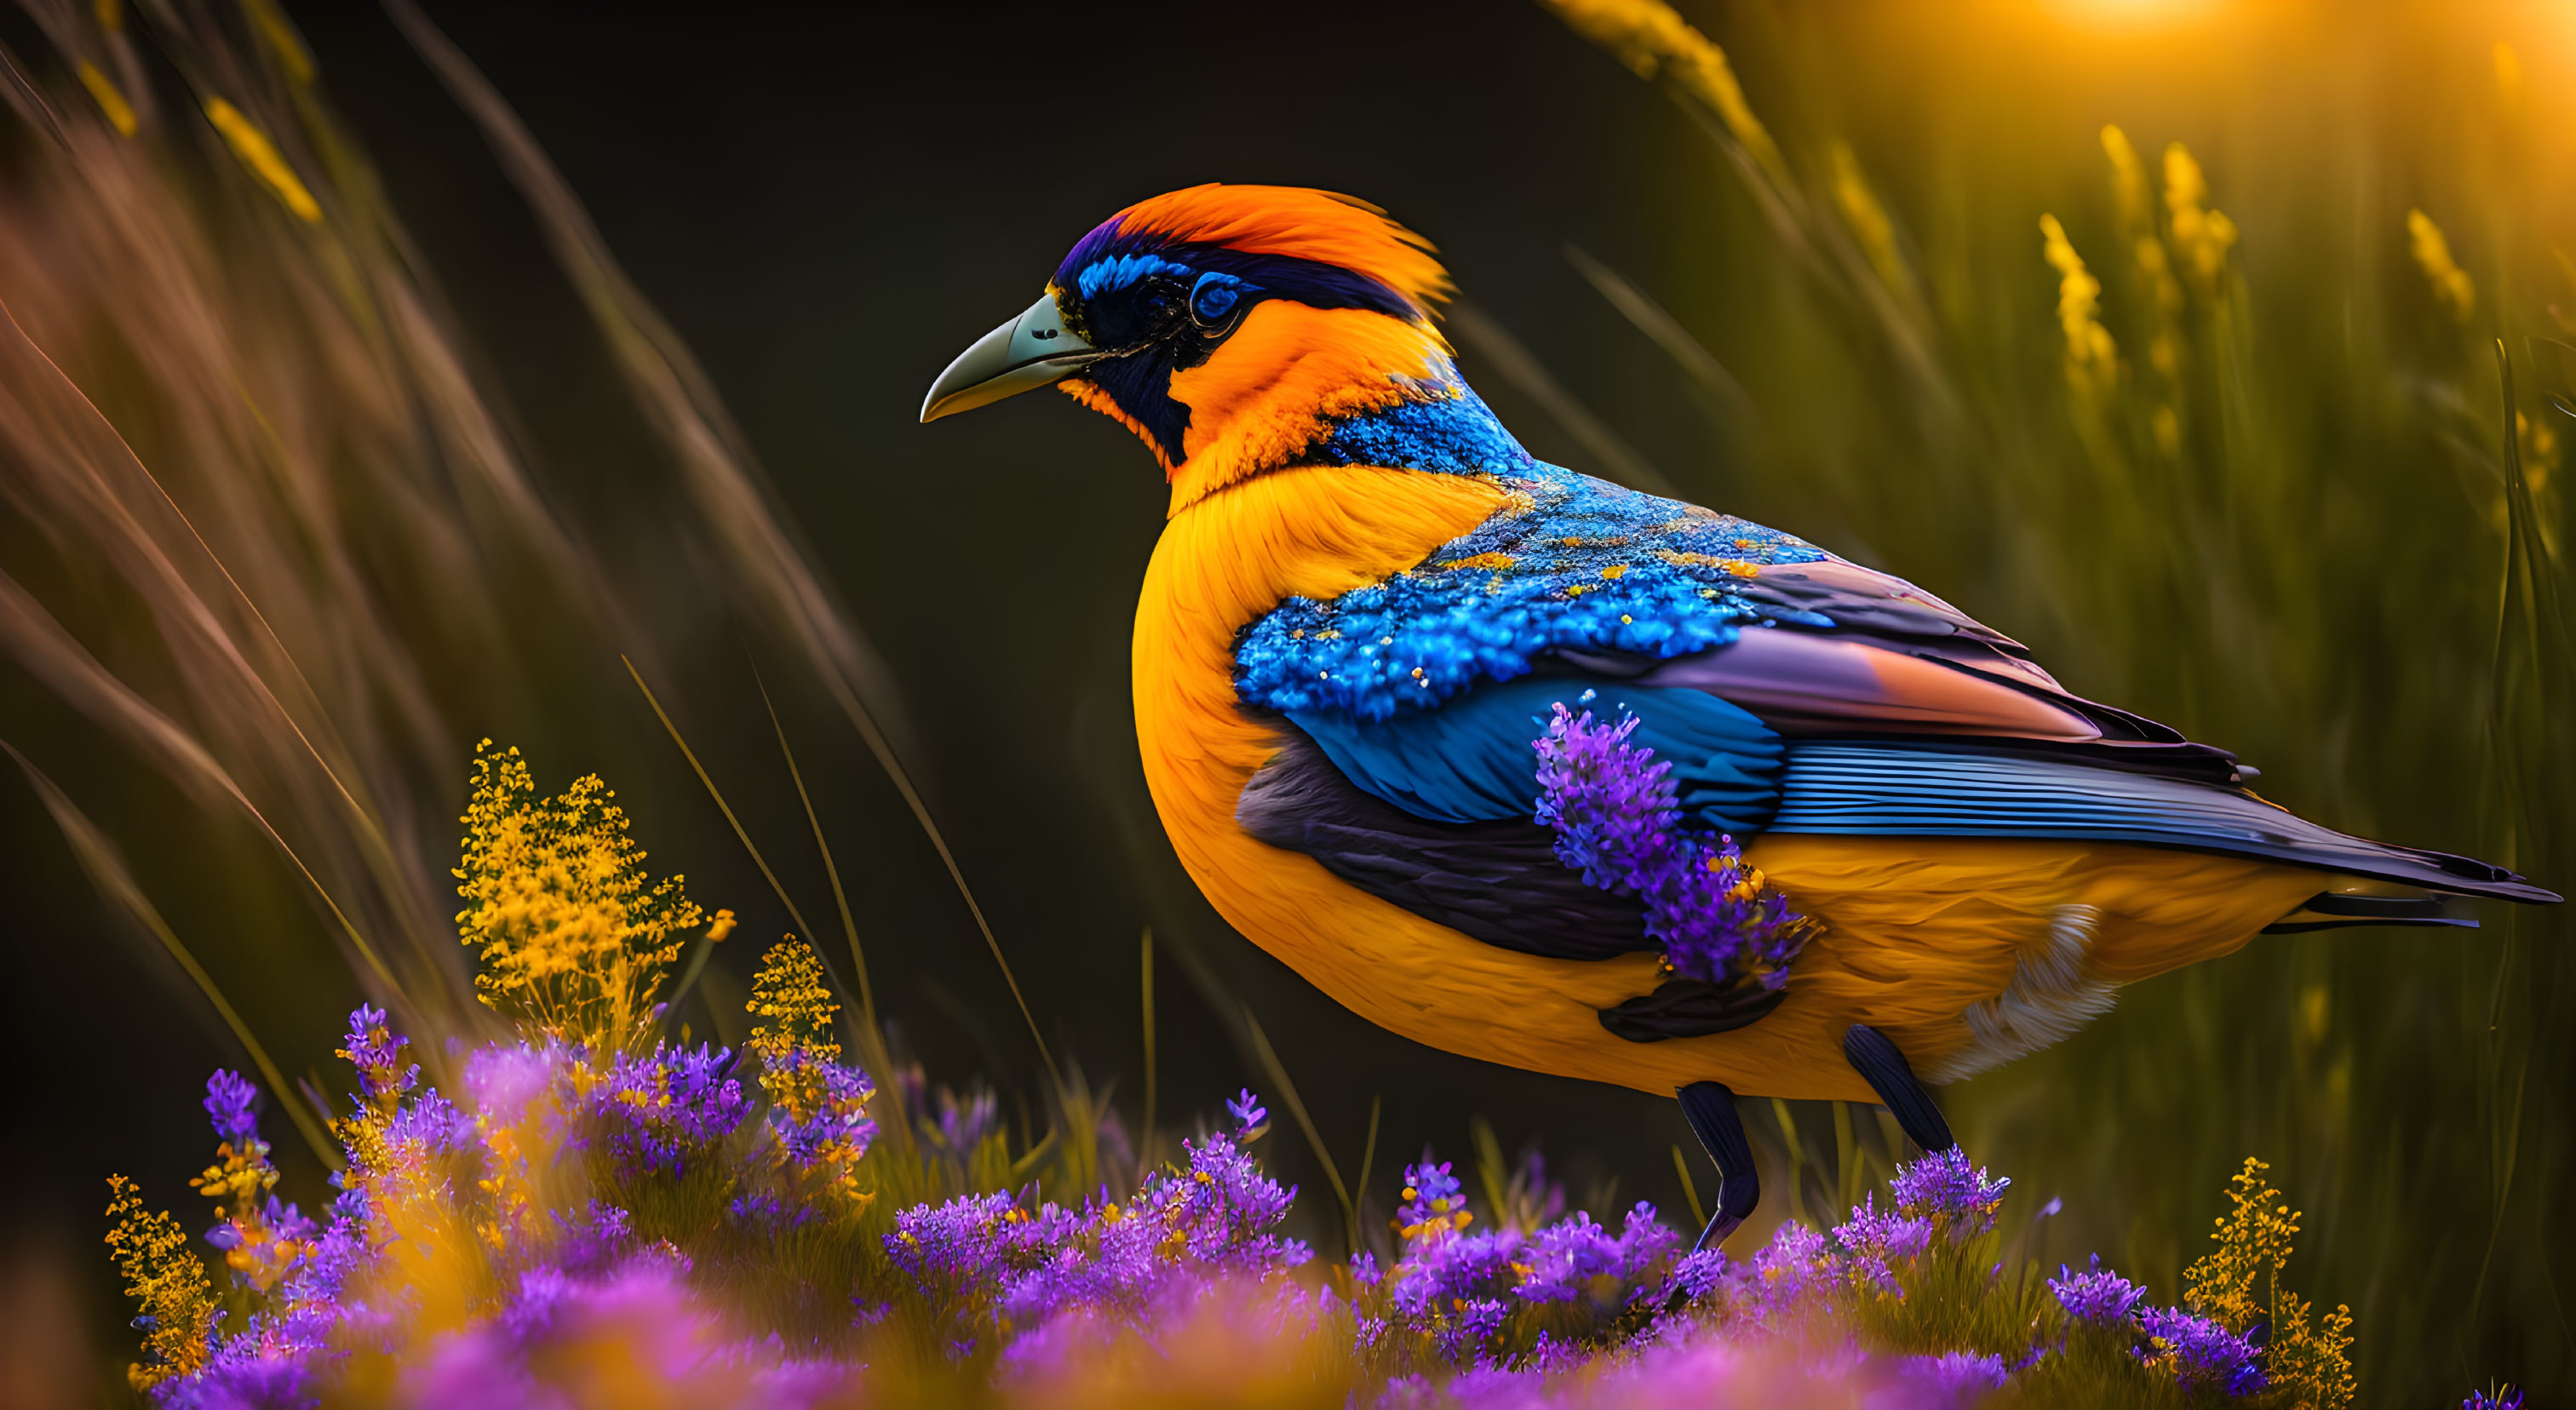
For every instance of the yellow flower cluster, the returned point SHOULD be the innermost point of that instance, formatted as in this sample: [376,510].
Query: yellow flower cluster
[2203,236]
[794,1007]
[2239,1285]
[2451,284]
[2092,359]
[1648,36]
[571,932]
[166,1280]
[799,1063]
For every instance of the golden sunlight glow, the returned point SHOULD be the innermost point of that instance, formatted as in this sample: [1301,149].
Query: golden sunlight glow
[2129,15]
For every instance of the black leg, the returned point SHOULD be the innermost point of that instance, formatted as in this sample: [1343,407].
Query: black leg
[1878,1061]
[1710,1109]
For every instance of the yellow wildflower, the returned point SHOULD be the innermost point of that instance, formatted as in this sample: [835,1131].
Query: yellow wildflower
[2204,236]
[1647,36]
[243,1175]
[2311,1364]
[2253,1244]
[167,1281]
[2451,284]
[2239,1285]
[570,932]
[2092,359]
[793,1004]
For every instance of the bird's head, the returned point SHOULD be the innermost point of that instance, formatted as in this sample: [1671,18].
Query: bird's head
[1228,326]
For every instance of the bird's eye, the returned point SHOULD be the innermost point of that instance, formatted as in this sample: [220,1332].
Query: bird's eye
[1214,299]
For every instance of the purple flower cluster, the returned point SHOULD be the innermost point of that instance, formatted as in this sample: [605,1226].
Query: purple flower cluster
[665,1112]
[987,1261]
[229,1098]
[2096,1295]
[838,1130]
[642,1320]
[1944,1187]
[1185,1272]
[1618,820]
[1879,1242]
[420,1166]
[377,1052]
[1456,1296]
[2201,1354]
[2500,1398]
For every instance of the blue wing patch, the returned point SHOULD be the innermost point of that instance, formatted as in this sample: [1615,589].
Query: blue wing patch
[1471,761]
[1573,563]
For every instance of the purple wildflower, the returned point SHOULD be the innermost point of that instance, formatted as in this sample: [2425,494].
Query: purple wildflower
[2095,1295]
[1221,1211]
[2499,1398]
[1796,1260]
[376,1051]
[2202,1354]
[840,1130]
[1699,1273]
[503,1080]
[643,1320]
[228,1106]
[1618,820]
[1613,809]
[429,1125]
[1566,1258]
[1878,1240]
[1577,1258]
[664,1112]
[1434,1202]
[242,1375]
[589,1245]
[1959,1198]
[1251,1118]
[1955,1376]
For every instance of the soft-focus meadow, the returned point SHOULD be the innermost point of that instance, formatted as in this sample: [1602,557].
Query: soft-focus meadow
[2219,428]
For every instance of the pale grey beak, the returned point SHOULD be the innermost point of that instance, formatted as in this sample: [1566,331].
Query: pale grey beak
[1031,350]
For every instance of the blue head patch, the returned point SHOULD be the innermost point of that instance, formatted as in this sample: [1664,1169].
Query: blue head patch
[1159,306]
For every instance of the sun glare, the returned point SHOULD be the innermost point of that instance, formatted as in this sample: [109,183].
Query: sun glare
[2132,15]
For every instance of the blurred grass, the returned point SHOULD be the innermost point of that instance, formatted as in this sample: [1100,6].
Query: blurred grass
[2257,477]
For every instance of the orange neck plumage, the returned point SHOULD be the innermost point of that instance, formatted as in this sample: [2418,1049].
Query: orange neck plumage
[1276,387]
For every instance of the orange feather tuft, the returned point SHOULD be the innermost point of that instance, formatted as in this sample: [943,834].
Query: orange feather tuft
[1301,223]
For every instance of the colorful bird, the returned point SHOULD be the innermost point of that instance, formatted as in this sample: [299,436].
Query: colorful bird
[1537,769]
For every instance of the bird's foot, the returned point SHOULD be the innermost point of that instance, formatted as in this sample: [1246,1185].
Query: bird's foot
[1710,1109]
